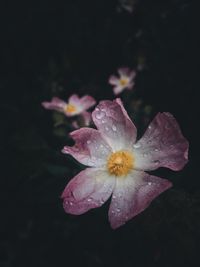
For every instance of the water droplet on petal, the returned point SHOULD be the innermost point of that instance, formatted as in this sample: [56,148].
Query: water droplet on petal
[107,129]
[113,196]
[71,203]
[114,128]
[156,150]
[118,210]
[88,142]
[89,199]
[100,115]
[137,145]
[149,183]
[149,127]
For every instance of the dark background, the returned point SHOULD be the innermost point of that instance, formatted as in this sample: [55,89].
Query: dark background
[51,49]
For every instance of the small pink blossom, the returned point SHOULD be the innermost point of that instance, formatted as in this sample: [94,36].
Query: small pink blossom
[124,81]
[117,163]
[74,106]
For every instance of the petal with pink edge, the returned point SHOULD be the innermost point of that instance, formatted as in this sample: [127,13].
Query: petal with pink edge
[114,124]
[55,104]
[87,102]
[90,148]
[87,190]
[113,80]
[118,89]
[162,145]
[74,100]
[133,194]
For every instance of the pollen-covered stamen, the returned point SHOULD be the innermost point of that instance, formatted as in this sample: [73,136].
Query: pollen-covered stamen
[123,81]
[120,163]
[70,108]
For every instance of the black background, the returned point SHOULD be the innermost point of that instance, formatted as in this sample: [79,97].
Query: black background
[58,49]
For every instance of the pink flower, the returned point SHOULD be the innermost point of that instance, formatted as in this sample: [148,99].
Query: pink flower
[124,81]
[117,162]
[74,106]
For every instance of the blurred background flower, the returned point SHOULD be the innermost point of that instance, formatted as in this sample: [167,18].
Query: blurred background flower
[124,81]
[74,106]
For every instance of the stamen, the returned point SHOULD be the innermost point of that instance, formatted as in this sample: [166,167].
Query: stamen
[70,108]
[120,163]
[123,81]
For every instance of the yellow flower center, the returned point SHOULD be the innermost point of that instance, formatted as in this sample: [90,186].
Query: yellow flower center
[120,163]
[123,81]
[70,108]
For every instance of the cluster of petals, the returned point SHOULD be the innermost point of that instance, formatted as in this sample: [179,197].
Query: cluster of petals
[117,163]
[74,105]
[124,81]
